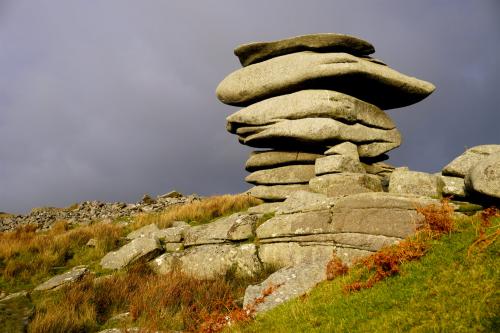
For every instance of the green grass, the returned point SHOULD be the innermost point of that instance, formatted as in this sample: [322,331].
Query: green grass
[446,291]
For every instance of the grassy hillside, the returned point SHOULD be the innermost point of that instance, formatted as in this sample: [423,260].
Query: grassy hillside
[453,288]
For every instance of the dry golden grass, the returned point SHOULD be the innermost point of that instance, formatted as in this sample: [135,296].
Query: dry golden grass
[27,255]
[155,302]
[199,212]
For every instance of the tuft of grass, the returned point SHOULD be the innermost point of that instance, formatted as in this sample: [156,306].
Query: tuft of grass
[447,290]
[199,212]
[28,257]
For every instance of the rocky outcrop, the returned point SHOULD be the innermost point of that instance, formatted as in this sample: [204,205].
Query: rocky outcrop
[142,248]
[484,178]
[88,211]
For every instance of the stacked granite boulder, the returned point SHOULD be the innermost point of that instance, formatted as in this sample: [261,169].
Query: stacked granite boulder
[316,103]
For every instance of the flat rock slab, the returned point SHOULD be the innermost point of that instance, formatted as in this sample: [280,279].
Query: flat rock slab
[316,132]
[76,274]
[236,227]
[348,149]
[259,160]
[251,53]
[287,283]
[340,72]
[461,165]
[210,261]
[304,201]
[310,104]
[334,185]
[413,182]
[293,253]
[143,248]
[315,222]
[276,192]
[290,174]
[265,208]
[337,164]
[484,177]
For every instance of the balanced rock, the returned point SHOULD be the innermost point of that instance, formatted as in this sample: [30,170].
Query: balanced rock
[310,104]
[345,149]
[334,185]
[251,53]
[340,72]
[276,192]
[290,174]
[484,177]
[274,158]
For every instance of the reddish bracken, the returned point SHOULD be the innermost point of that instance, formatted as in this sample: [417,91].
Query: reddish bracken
[335,267]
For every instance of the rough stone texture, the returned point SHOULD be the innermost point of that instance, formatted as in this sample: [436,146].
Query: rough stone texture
[341,72]
[413,182]
[276,192]
[378,168]
[304,201]
[265,208]
[76,274]
[173,247]
[143,248]
[484,177]
[290,174]
[348,149]
[274,158]
[315,222]
[310,104]
[146,231]
[172,235]
[336,164]
[15,311]
[294,253]
[461,165]
[287,283]
[211,261]
[334,185]
[317,132]
[251,53]
[454,186]
[236,227]
[345,240]
[386,214]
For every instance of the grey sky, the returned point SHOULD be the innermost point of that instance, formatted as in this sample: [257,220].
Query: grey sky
[108,100]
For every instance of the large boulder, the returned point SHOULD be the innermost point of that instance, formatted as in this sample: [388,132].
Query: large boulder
[237,227]
[310,104]
[283,285]
[404,181]
[340,184]
[251,53]
[484,178]
[276,192]
[290,174]
[211,261]
[259,160]
[143,248]
[318,132]
[461,165]
[314,222]
[341,72]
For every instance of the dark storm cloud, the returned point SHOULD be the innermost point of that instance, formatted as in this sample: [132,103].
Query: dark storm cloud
[112,99]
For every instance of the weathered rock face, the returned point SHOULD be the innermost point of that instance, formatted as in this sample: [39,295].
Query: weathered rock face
[484,177]
[290,174]
[339,184]
[275,158]
[461,165]
[143,248]
[341,72]
[412,182]
[276,192]
[328,42]
[310,104]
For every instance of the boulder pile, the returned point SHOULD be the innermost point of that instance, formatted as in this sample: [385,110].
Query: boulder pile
[316,103]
